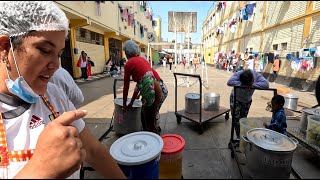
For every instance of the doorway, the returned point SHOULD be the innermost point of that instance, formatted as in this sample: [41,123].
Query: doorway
[115,50]
[66,58]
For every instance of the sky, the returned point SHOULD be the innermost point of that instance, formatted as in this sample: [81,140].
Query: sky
[161,8]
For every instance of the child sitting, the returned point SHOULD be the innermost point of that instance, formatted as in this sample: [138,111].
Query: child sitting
[278,121]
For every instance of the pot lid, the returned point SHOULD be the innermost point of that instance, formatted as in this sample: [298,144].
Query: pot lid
[136,103]
[211,95]
[172,143]
[193,96]
[136,148]
[290,96]
[314,111]
[270,140]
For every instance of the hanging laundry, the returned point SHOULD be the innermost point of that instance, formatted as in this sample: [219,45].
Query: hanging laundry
[244,14]
[134,26]
[141,31]
[233,28]
[296,64]
[147,14]
[229,3]
[317,53]
[224,4]
[124,15]
[250,8]
[98,8]
[130,20]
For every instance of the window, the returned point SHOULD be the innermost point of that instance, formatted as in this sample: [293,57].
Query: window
[82,33]
[275,47]
[284,46]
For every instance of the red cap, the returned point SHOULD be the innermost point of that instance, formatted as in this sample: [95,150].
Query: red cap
[172,143]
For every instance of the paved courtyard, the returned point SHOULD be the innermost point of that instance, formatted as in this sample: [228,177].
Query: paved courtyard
[205,156]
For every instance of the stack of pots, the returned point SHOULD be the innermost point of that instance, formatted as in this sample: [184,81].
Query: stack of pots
[269,154]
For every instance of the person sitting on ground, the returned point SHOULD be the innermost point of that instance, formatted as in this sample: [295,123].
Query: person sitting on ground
[246,78]
[278,121]
[149,85]
[64,80]
[43,135]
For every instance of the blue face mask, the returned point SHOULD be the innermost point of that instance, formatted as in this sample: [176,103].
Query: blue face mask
[20,87]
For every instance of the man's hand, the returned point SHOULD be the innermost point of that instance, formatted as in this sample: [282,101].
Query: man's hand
[59,152]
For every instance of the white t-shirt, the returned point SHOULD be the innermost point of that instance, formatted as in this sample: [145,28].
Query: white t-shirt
[64,80]
[22,133]
[250,64]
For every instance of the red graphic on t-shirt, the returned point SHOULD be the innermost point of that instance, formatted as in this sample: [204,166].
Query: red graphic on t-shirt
[35,122]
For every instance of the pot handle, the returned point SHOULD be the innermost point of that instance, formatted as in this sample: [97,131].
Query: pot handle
[294,140]
[245,139]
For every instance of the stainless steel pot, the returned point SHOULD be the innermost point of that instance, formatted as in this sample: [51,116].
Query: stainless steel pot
[192,103]
[291,101]
[305,113]
[211,101]
[129,121]
[269,154]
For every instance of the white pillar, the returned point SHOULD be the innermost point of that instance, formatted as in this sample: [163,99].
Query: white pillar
[175,50]
[188,44]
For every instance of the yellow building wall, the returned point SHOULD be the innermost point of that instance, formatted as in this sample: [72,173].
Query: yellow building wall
[95,52]
[108,16]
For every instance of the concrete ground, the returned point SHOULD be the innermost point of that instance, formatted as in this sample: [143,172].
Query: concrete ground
[205,156]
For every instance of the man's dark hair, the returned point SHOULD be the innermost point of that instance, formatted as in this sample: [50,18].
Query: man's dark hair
[246,77]
[278,99]
[250,57]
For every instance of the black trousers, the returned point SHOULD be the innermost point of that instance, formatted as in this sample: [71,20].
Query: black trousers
[275,75]
[84,73]
[170,64]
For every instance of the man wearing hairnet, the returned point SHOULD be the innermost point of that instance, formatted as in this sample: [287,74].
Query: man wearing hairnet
[42,135]
[149,85]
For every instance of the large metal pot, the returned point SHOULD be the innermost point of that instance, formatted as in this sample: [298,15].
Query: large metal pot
[129,121]
[269,154]
[291,101]
[305,113]
[192,103]
[211,101]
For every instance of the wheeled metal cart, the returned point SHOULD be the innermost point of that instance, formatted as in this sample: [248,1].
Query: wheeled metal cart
[204,115]
[234,143]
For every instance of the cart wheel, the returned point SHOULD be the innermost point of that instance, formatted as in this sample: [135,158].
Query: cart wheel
[226,117]
[179,119]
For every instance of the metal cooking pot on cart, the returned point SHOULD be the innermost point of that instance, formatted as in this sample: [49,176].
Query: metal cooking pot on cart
[291,101]
[202,116]
[269,154]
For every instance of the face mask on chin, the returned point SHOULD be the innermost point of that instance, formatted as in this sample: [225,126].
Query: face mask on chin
[20,87]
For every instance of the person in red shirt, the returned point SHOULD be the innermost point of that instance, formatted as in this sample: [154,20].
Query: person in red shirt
[149,85]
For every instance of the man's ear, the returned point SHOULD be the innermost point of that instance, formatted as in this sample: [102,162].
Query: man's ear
[4,47]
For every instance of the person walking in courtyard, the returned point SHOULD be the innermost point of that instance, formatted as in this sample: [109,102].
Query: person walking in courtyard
[149,85]
[275,68]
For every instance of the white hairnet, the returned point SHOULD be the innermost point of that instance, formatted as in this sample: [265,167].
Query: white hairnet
[20,17]
[131,48]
